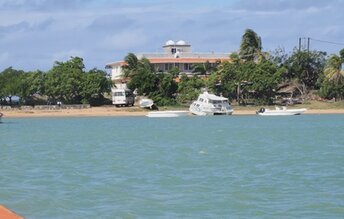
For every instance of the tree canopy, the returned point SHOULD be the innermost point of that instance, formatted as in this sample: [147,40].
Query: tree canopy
[332,85]
[250,46]
[67,82]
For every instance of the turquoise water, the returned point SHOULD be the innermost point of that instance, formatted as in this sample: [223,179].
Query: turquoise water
[189,167]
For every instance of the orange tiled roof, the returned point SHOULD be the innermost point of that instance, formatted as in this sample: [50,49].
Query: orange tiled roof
[186,60]
[178,60]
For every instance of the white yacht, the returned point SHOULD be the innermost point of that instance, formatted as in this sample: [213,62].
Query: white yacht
[210,104]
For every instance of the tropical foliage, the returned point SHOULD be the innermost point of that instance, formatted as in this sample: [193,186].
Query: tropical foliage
[306,66]
[251,45]
[251,75]
[333,77]
[67,82]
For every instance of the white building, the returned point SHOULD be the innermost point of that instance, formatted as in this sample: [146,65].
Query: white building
[175,55]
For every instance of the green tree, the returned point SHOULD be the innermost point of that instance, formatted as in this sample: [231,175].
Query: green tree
[251,45]
[229,74]
[63,81]
[333,70]
[132,64]
[213,83]
[11,81]
[94,84]
[189,88]
[174,72]
[203,68]
[265,77]
[305,66]
[144,78]
[32,83]
[166,93]
[260,79]
[333,79]
[279,57]
[341,53]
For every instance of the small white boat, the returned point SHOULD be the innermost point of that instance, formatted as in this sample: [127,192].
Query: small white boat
[146,103]
[210,104]
[175,113]
[280,111]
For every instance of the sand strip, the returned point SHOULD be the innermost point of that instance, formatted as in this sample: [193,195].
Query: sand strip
[113,111]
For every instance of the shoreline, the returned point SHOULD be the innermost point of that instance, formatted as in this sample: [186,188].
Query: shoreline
[121,112]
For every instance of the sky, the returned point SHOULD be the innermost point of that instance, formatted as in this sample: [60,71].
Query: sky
[36,33]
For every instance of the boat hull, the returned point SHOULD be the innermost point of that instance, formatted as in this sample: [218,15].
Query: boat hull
[283,112]
[146,103]
[204,113]
[160,114]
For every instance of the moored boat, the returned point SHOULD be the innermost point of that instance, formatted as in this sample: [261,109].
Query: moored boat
[175,113]
[146,103]
[280,111]
[1,116]
[210,104]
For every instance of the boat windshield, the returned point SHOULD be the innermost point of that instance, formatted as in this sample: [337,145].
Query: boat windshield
[217,101]
[119,94]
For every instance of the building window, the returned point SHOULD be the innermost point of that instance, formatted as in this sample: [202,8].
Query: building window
[187,66]
[168,66]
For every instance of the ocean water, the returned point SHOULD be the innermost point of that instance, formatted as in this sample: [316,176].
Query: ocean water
[188,167]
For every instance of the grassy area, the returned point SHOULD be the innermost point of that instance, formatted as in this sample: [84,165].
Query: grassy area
[323,105]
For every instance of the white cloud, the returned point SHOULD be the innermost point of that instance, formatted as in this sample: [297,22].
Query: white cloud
[4,57]
[125,40]
[282,5]
[65,55]
[39,32]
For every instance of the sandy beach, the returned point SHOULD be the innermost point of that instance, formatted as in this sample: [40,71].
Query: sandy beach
[113,111]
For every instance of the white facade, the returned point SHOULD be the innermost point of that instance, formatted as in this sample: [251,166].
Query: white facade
[175,55]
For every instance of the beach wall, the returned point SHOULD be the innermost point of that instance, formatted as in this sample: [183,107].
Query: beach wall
[47,107]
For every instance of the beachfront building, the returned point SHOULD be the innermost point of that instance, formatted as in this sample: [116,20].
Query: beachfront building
[175,55]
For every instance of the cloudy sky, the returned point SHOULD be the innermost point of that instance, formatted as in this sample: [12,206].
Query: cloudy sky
[35,33]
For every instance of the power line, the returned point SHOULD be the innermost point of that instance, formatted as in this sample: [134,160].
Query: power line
[325,41]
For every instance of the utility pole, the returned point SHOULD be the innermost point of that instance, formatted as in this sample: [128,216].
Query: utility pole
[302,44]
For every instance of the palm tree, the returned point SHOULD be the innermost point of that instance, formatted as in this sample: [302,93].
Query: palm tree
[203,68]
[251,45]
[131,66]
[333,70]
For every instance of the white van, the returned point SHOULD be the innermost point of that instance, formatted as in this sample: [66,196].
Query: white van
[122,97]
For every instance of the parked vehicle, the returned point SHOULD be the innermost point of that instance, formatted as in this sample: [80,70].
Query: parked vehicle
[123,97]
